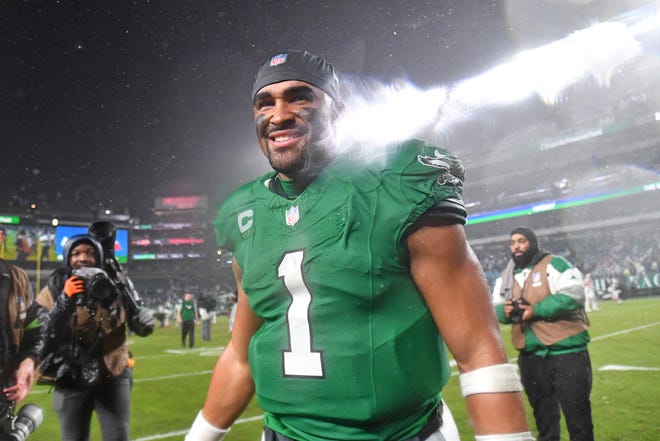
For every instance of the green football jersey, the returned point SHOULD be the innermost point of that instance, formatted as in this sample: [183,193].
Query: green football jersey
[348,349]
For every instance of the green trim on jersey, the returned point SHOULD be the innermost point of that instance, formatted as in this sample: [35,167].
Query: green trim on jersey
[348,349]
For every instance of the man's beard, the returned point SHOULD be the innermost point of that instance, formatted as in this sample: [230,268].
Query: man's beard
[524,259]
[307,161]
[306,164]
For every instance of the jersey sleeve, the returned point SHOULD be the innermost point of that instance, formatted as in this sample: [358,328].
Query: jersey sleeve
[430,182]
[235,218]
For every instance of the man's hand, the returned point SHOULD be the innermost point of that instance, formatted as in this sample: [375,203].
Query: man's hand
[24,380]
[528,312]
[142,323]
[74,285]
[508,307]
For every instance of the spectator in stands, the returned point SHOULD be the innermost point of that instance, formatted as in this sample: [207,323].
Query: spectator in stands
[542,296]
[187,317]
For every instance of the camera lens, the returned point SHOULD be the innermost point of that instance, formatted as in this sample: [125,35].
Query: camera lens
[100,287]
[27,420]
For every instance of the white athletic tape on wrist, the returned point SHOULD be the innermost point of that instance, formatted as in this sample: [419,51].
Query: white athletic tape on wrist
[202,430]
[490,380]
[522,436]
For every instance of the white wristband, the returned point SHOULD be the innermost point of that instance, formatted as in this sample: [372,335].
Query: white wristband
[202,430]
[490,380]
[522,436]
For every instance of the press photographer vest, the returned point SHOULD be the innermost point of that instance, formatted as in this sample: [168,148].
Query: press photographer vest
[15,297]
[548,330]
[110,329]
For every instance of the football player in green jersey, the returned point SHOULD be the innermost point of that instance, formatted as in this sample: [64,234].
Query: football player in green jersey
[351,280]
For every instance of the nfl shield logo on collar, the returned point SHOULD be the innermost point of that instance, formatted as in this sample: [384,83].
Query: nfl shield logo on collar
[292,216]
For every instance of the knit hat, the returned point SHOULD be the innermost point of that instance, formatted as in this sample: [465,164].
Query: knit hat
[301,66]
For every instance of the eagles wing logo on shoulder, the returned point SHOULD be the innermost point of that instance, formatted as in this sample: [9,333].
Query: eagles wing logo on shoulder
[451,169]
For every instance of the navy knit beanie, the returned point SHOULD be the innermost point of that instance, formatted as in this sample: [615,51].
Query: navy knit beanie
[301,66]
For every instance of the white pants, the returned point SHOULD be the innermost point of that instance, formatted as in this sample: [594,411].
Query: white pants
[448,431]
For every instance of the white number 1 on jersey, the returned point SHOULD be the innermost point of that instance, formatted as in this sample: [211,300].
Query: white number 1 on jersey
[300,360]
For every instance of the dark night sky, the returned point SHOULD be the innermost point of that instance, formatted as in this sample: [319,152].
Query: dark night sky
[156,93]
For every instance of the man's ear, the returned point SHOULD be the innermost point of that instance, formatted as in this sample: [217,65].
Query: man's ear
[337,109]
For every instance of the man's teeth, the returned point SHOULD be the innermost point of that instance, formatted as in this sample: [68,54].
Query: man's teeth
[283,138]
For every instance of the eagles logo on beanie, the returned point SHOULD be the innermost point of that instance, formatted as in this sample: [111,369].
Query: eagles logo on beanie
[301,66]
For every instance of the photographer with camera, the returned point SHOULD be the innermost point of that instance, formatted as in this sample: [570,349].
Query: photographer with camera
[22,335]
[87,355]
[140,319]
[542,296]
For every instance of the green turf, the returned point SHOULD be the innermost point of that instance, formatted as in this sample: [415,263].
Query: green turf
[170,382]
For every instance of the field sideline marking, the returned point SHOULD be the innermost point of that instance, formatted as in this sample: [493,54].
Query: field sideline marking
[201,351]
[452,363]
[620,367]
[167,377]
[141,380]
[625,331]
[184,432]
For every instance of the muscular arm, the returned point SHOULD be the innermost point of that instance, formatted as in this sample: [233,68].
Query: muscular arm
[450,278]
[232,387]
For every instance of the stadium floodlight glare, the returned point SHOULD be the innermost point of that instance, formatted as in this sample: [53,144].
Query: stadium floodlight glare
[548,71]
[381,113]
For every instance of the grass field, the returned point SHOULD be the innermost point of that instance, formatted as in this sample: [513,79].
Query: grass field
[171,382]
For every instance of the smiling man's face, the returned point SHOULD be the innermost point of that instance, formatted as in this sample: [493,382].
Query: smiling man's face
[292,118]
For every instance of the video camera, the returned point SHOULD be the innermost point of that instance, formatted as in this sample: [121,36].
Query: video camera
[140,320]
[17,427]
[98,286]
